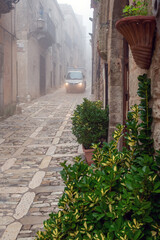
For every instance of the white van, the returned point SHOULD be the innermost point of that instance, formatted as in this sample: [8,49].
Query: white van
[75,81]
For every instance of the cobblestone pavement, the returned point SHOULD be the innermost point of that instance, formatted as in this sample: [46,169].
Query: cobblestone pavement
[32,146]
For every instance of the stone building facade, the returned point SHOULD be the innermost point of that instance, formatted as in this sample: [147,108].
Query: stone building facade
[108,60]
[118,86]
[8,83]
[39,47]
[38,41]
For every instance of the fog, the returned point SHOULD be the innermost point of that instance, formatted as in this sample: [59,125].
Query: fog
[48,41]
[81,7]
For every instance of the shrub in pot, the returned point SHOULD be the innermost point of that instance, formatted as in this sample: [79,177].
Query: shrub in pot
[90,123]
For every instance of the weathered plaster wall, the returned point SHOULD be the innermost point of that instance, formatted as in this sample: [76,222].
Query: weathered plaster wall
[22,74]
[33,68]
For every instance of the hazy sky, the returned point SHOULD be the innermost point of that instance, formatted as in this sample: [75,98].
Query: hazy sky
[81,7]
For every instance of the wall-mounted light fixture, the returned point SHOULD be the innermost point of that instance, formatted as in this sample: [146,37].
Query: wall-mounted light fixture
[40,23]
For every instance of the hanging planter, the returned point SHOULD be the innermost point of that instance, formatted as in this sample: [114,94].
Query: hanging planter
[139,33]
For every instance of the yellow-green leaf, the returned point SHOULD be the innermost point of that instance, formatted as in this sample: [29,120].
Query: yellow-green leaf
[102,236]
[154,233]
[110,207]
[89,235]
[85,225]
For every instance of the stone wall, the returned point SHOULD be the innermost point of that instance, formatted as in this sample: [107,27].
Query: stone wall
[95,55]
[115,60]
[115,68]
[105,15]
[8,83]
[154,74]
[99,52]
[134,72]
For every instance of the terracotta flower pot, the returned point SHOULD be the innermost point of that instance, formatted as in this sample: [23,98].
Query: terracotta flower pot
[88,155]
[139,33]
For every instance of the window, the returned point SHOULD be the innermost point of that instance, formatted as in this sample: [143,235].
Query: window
[75,75]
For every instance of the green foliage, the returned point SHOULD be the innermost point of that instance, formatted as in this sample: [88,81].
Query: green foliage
[110,201]
[139,132]
[90,123]
[117,198]
[136,8]
[144,92]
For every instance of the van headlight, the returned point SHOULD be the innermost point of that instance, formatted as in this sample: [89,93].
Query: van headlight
[80,84]
[66,83]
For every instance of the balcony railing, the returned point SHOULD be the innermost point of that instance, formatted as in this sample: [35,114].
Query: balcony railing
[46,31]
[7,5]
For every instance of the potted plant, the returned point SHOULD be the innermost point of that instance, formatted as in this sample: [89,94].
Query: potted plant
[90,125]
[138,29]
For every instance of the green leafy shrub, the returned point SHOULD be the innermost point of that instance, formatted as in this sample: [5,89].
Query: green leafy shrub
[140,133]
[118,198]
[136,8]
[90,123]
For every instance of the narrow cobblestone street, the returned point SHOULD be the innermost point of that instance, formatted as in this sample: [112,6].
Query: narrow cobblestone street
[32,146]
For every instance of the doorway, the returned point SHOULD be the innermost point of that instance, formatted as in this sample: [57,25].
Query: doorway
[125,81]
[106,84]
[54,74]
[42,75]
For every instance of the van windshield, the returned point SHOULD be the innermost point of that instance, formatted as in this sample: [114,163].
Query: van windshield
[75,75]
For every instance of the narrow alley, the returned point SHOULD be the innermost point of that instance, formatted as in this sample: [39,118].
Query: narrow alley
[32,146]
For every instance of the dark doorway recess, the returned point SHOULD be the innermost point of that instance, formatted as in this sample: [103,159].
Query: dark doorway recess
[42,75]
[125,81]
[106,84]
[106,89]
[125,78]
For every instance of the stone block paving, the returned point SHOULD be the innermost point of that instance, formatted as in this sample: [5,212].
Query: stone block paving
[32,146]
